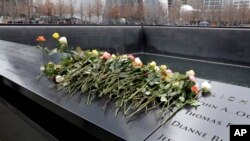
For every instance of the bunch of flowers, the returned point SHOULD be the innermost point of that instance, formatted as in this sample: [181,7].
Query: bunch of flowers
[134,87]
[61,41]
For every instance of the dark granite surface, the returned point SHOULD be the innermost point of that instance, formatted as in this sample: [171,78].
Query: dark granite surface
[19,66]
[231,45]
[216,44]
[111,38]
[20,130]
[222,72]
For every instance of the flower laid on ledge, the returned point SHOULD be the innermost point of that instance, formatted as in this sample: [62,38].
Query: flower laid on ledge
[62,43]
[205,86]
[134,87]
[40,39]
[56,36]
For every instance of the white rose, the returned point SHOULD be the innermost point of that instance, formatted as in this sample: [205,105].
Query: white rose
[113,56]
[59,78]
[95,52]
[42,68]
[138,60]
[157,68]
[205,86]
[137,63]
[190,73]
[63,40]
[163,67]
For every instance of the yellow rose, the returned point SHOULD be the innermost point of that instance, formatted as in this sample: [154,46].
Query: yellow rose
[56,36]
[163,67]
[152,64]
[113,56]
[95,52]
[124,57]
[190,73]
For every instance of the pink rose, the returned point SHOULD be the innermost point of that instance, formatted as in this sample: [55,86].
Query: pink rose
[131,57]
[105,56]
[169,71]
[192,78]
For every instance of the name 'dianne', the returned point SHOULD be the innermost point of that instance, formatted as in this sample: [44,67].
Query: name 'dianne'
[188,129]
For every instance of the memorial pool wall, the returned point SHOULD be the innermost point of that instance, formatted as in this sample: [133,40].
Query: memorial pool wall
[227,45]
